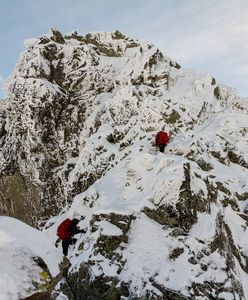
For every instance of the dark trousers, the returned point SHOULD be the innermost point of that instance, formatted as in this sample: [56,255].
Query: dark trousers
[66,243]
[161,147]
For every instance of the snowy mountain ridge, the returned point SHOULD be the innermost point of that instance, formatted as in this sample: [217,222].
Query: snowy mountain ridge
[76,133]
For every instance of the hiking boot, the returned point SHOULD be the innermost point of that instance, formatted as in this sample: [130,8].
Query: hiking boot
[65,264]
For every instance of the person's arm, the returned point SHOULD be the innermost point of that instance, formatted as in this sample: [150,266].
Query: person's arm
[168,138]
[57,242]
[156,139]
[73,229]
[80,230]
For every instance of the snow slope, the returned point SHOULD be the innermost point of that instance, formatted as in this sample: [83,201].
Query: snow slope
[19,244]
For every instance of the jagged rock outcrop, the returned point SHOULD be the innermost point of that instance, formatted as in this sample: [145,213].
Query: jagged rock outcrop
[76,133]
[55,103]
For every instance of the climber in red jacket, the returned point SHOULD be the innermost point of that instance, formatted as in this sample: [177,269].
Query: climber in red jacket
[161,140]
[65,232]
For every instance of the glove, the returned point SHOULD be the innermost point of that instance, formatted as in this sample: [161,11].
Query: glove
[57,242]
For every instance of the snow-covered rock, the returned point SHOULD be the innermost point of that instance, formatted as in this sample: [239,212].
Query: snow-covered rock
[78,127]
[27,258]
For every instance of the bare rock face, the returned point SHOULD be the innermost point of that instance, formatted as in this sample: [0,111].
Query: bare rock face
[76,134]
[19,197]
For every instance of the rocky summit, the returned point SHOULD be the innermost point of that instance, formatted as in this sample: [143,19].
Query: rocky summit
[77,130]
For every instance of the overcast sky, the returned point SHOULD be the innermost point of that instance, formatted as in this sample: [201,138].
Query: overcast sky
[207,36]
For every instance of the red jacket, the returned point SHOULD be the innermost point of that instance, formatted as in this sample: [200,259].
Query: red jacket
[161,138]
[67,229]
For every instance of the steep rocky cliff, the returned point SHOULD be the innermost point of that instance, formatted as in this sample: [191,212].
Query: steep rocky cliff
[76,133]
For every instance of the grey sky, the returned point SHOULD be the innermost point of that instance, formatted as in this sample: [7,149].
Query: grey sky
[207,36]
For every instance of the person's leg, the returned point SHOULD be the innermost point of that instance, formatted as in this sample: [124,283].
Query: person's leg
[65,246]
[66,243]
[161,147]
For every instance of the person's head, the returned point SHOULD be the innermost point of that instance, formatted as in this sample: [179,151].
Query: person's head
[78,216]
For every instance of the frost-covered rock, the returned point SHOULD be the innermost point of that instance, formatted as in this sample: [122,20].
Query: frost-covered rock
[77,131]
[28,259]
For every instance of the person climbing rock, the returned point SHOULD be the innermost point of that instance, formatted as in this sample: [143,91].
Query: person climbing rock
[65,232]
[161,140]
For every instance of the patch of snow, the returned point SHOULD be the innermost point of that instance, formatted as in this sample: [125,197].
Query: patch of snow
[18,244]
